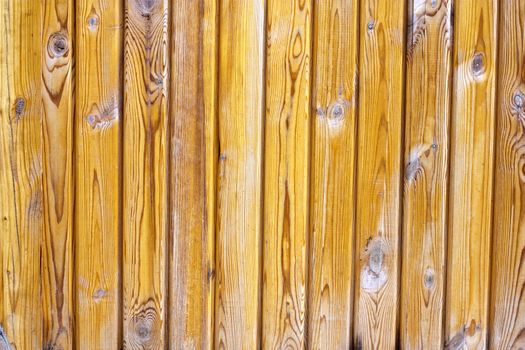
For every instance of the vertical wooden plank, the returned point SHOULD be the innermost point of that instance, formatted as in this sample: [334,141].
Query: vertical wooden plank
[428,92]
[57,131]
[379,171]
[97,158]
[471,174]
[239,200]
[145,220]
[333,157]
[507,312]
[193,164]
[286,171]
[21,195]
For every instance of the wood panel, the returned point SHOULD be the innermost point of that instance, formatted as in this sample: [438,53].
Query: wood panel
[381,99]
[428,93]
[471,174]
[239,187]
[97,172]
[193,162]
[58,127]
[287,134]
[507,314]
[332,194]
[21,174]
[145,165]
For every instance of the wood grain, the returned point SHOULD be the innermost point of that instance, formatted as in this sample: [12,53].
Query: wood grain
[21,174]
[58,127]
[193,168]
[507,313]
[428,93]
[332,175]
[239,187]
[379,171]
[287,136]
[471,174]
[145,165]
[97,172]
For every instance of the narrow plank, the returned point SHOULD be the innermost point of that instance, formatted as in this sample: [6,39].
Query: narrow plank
[428,92]
[193,164]
[287,134]
[471,174]
[239,186]
[379,168]
[21,197]
[332,177]
[145,181]
[57,131]
[97,159]
[507,313]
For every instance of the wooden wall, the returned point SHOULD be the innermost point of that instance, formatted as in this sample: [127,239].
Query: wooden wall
[262,174]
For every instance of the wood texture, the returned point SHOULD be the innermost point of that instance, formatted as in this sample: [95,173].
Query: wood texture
[21,174]
[57,130]
[428,94]
[378,222]
[97,228]
[471,174]
[287,137]
[239,210]
[145,164]
[507,314]
[193,162]
[332,194]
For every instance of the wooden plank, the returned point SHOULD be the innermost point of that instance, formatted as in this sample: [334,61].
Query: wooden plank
[507,313]
[97,158]
[57,131]
[145,165]
[21,197]
[471,174]
[286,150]
[378,221]
[333,161]
[428,91]
[239,198]
[193,169]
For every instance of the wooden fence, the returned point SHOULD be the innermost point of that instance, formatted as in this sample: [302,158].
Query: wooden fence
[275,174]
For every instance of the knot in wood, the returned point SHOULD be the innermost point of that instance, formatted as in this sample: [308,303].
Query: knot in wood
[92,23]
[478,64]
[429,278]
[58,44]
[371,24]
[518,99]
[143,331]
[337,111]
[20,105]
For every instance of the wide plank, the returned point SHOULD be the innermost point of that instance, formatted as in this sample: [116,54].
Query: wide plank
[379,172]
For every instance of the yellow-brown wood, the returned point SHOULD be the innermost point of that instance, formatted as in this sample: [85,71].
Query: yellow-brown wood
[97,158]
[21,174]
[379,170]
[428,92]
[471,174]
[193,163]
[332,189]
[145,165]
[286,150]
[239,187]
[57,130]
[507,314]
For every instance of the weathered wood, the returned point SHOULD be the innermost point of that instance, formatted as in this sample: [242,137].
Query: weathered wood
[145,165]
[97,173]
[21,174]
[193,163]
[287,136]
[471,174]
[333,161]
[57,130]
[379,170]
[428,91]
[507,314]
[239,197]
